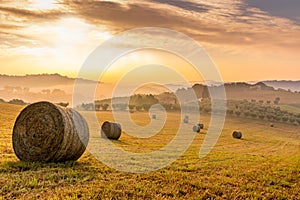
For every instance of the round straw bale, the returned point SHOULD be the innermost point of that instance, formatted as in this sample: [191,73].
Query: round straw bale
[110,130]
[197,128]
[186,119]
[237,134]
[46,132]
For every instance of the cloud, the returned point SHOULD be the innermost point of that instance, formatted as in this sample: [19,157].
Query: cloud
[215,22]
[186,5]
[32,14]
[289,8]
[227,23]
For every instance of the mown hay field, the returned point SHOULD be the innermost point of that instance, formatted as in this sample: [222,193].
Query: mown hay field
[264,164]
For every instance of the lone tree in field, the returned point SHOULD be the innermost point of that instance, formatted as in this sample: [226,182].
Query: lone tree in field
[277,100]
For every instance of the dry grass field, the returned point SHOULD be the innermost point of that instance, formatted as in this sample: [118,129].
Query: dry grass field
[265,164]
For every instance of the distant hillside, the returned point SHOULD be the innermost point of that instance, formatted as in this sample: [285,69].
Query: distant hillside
[258,92]
[32,88]
[58,88]
[286,85]
[37,81]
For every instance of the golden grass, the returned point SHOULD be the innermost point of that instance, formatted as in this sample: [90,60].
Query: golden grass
[262,165]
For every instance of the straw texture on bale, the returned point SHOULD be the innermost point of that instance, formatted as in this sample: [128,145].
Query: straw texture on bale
[237,134]
[46,132]
[110,130]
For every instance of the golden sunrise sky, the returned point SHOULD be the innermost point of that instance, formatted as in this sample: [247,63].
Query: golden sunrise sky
[249,40]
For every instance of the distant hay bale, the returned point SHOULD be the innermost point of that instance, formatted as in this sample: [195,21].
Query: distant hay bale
[45,132]
[197,128]
[186,119]
[237,134]
[201,126]
[110,130]
[272,125]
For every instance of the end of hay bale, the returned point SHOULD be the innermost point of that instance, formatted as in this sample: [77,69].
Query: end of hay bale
[237,134]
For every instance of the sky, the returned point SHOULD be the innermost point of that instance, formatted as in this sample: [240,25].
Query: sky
[248,40]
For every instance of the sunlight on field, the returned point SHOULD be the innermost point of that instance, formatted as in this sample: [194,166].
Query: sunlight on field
[263,164]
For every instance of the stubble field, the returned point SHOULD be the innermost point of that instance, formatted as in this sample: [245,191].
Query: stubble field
[265,164]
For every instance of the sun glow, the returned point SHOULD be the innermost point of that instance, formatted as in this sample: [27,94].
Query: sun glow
[43,4]
[60,46]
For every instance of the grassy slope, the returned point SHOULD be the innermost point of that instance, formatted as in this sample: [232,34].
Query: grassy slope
[265,164]
[266,95]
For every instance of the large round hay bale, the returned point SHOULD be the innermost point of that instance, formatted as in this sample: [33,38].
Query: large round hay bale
[110,130]
[45,132]
[237,134]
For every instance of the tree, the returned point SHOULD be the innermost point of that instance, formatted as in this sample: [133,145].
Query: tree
[17,102]
[131,107]
[63,104]
[97,107]
[230,112]
[238,113]
[253,115]
[104,106]
[285,118]
[146,107]
[205,92]
[292,120]
[246,113]
[277,100]
[138,108]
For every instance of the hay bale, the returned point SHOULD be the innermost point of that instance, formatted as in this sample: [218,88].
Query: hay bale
[197,128]
[186,119]
[237,134]
[110,130]
[44,132]
[201,126]
[272,125]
